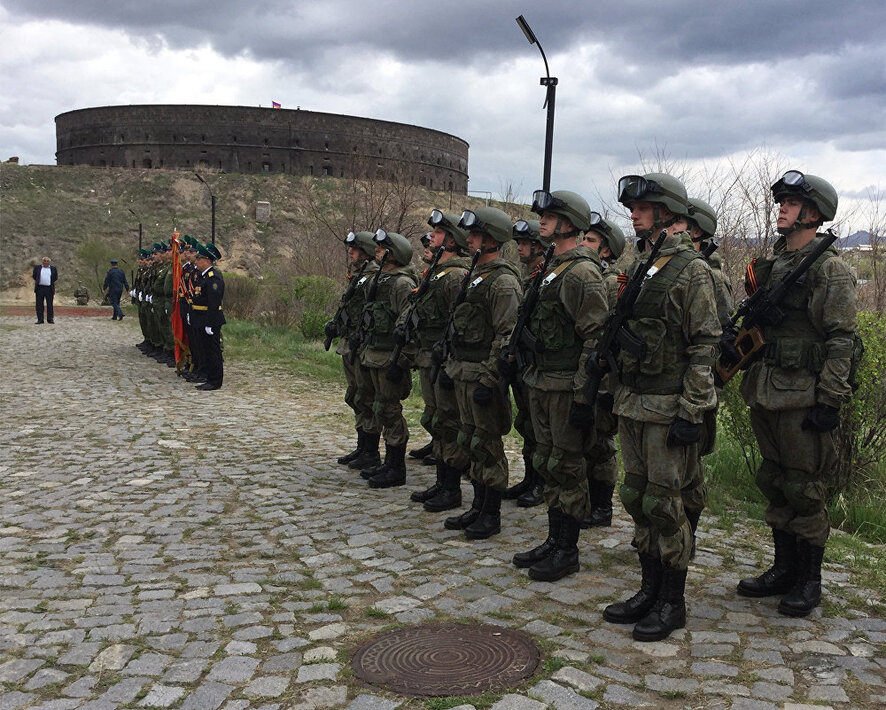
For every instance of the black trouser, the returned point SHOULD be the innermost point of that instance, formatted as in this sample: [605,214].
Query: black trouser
[114,298]
[195,343]
[44,293]
[211,352]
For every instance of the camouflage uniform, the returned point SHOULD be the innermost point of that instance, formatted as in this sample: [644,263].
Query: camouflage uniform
[674,379]
[807,362]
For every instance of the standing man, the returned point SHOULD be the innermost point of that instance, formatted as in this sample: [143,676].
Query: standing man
[392,382]
[440,415]
[360,248]
[564,327]
[664,390]
[529,492]
[482,324]
[115,283]
[796,390]
[45,277]
[207,316]
[607,239]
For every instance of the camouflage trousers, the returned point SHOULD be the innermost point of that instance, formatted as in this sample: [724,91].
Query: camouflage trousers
[600,461]
[523,419]
[481,428]
[143,320]
[559,452]
[796,474]
[387,405]
[362,405]
[441,420]
[660,483]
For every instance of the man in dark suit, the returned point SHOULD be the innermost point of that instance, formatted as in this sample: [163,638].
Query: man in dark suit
[115,284]
[207,317]
[45,277]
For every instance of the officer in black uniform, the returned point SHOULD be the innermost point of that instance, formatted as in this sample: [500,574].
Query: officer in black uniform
[207,317]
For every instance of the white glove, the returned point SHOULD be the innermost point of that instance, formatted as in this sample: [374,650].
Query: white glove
[208,330]
[151,300]
[188,318]
[141,295]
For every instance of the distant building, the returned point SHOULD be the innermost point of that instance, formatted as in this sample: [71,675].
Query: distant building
[242,139]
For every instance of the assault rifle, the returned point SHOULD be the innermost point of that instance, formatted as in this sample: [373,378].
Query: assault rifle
[356,340]
[522,340]
[339,321]
[440,351]
[763,308]
[616,334]
[410,322]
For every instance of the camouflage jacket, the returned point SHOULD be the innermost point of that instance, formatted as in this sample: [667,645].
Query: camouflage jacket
[433,311]
[392,298]
[354,308]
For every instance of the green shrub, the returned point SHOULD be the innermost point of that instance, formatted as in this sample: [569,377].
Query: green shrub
[317,297]
[241,294]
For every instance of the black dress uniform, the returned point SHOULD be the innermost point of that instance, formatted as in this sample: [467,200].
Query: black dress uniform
[207,318]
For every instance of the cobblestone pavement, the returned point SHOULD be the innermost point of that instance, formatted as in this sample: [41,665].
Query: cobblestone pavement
[136,571]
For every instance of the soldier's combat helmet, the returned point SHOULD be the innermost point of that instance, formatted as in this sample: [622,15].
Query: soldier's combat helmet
[364,241]
[703,215]
[563,203]
[448,222]
[657,189]
[488,220]
[399,246]
[609,232]
[816,190]
[530,229]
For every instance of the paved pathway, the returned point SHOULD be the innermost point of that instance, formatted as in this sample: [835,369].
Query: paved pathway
[136,571]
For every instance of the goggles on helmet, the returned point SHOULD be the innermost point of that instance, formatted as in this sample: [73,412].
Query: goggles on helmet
[437,218]
[636,187]
[470,221]
[543,200]
[381,236]
[522,230]
[596,219]
[792,181]
[351,239]
[426,240]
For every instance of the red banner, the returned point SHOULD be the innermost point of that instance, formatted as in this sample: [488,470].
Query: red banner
[182,351]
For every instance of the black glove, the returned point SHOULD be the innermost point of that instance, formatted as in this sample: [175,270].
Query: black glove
[394,373]
[507,368]
[606,402]
[482,395]
[728,352]
[329,330]
[683,433]
[821,418]
[445,381]
[581,415]
[400,334]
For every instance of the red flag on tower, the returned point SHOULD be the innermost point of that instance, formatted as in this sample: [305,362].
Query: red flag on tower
[274,104]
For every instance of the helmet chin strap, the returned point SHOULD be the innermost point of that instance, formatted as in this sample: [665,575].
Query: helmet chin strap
[492,249]
[798,223]
[644,235]
[557,233]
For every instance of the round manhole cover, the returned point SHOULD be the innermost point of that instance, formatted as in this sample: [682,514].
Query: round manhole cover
[446,659]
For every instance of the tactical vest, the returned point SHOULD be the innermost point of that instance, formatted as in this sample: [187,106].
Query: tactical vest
[664,361]
[353,310]
[472,320]
[433,309]
[379,317]
[794,343]
[559,344]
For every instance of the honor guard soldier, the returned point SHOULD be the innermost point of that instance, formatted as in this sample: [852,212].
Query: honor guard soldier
[563,329]
[795,390]
[449,248]
[386,298]
[606,238]
[480,326]
[360,248]
[207,315]
[138,297]
[529,492]
[666,385]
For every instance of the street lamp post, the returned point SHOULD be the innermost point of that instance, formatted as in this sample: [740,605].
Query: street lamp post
[139,227]
[212,202]
[550,82]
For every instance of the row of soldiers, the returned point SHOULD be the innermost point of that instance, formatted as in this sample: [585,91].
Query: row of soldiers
[589,351]
[189,339]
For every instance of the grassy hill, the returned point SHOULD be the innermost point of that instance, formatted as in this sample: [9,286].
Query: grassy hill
[80,217]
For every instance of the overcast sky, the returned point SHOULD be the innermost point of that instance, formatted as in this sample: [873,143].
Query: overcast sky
[701,81]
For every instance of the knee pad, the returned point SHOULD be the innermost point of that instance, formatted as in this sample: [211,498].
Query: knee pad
[806,496]
[769,479]
[540,459]
[663,509]
[464,440]
[631,494]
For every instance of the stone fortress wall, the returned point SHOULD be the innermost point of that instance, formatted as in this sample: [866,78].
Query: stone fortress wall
[243,139]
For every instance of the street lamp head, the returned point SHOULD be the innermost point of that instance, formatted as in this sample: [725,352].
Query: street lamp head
[527,30]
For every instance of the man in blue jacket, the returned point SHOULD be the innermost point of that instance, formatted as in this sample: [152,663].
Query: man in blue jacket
[115,284]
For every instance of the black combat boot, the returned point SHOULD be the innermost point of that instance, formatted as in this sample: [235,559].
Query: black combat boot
[632,610]
[420,453]
[805,595]
[520,488]
[449,496]
[563,559]
[488,523]
[428,493]
[669,611]
[430,460]
[460,522]
[394,473]
[693,516]
[536,554]
[534,495]
[369,457]
[601,505]
[383,466]
[779,578]
[347,458]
